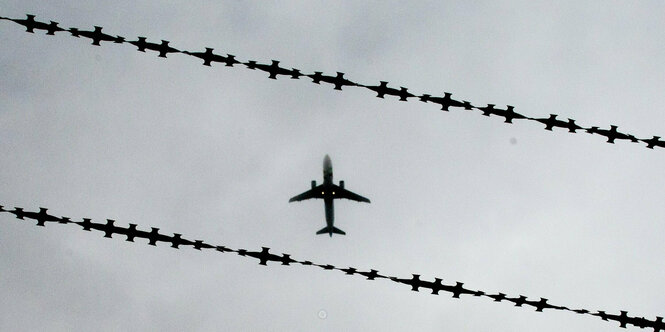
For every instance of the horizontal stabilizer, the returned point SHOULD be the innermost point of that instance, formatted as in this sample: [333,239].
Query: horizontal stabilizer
[330,230]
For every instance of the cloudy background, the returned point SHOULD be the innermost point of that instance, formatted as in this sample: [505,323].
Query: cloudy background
[215,154]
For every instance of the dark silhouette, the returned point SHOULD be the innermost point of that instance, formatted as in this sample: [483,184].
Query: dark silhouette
[264,256]
[30,25]
[224,249]
[41,217]
[612,134]
[328,191]
[131,233]
[383,89]
[177,241]
[509,114]
[109,229]
[162,48]
[96,36]
[339,81]
[154,237]
[518,301]
[458,290]
[416,283]
[86,224]
[287,260]
[446,101]
[199,244]
[372,274]
[542,304]
[274,69]
[498,297]
[622,319]
[553,122]
[655,141]
[209,57]
[658,324]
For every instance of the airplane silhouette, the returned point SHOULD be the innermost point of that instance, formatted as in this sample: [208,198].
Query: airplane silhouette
[338,80]
[655,141]
[509,114]
[96,35]
[162,48]
[328,191]
[553,122]
[30,24]
[611,134]
[383,89]
[209,57]
[446,101]
[274,69]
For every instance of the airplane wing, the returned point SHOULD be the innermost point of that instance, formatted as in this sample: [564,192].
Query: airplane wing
[343,193]
[312,193]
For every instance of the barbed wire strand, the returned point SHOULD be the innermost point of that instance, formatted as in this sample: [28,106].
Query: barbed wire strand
[42,217]
[274,70]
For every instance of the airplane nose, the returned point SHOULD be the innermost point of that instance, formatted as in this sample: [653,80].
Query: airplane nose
[327,162]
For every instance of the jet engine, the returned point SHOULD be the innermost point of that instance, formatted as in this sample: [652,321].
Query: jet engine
[313,184]
[341,184]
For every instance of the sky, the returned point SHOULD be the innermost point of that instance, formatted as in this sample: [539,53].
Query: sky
[215,153]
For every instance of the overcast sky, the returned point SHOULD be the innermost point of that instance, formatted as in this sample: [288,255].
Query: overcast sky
[215,153]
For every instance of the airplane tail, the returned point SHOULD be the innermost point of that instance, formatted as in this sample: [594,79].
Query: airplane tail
[330,231]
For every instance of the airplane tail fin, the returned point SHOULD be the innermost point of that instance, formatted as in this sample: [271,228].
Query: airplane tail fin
[330,231]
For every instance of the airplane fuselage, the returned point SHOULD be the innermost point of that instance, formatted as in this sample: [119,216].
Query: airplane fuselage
[328,192]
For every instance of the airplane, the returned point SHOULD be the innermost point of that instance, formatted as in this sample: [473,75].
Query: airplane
[338,80]
[383,89]
[446,101]
[274,69]
[162,48]
[30,24]
[96,35]
[328,191]
[209,57]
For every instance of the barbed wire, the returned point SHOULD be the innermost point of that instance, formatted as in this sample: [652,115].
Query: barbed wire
[274,70]
[264,256]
